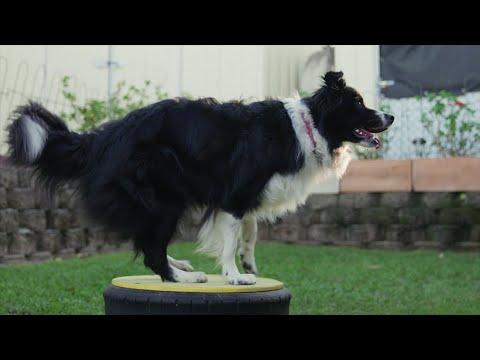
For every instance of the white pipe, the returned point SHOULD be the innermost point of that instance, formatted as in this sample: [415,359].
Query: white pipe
[43,91]
[180,71]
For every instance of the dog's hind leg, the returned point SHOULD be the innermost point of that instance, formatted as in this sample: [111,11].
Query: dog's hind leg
[188,277]
[155,250]
[180,264]
[248,238]
[181,231]
[171,273]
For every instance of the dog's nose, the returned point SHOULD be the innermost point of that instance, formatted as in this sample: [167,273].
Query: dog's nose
[389,118]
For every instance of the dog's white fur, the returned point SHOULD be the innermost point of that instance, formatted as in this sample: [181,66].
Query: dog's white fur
[190,277]
[180,264]
[248,239]
[284,193]
[222,234]
[35,138]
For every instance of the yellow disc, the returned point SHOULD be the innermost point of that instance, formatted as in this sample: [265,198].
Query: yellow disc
[215,284]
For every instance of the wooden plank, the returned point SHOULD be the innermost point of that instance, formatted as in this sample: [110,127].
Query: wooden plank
[377,176]
[446,174]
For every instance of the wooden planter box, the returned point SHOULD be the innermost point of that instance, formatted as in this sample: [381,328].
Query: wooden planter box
[422,175]
[377,176]
[446,174]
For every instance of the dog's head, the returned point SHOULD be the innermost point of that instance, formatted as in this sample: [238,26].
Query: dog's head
[341,115]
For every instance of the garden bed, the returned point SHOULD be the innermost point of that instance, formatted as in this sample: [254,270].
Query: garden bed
[421,175]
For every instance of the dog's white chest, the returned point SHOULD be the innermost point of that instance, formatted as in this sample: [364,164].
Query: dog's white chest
[285,193]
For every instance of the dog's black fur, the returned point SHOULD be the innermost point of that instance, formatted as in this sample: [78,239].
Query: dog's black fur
[139,174]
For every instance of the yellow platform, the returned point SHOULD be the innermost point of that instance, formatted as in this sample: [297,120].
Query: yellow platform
[215,284]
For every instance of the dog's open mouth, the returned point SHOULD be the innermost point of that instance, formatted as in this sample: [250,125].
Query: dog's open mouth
[367,138]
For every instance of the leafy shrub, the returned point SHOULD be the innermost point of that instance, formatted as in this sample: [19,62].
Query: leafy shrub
[451,123]
[96,111]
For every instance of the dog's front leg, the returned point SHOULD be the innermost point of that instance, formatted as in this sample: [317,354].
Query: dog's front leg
[231,232]
[219,237]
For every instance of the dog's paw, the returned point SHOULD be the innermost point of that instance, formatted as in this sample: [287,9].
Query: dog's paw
[199,277]
[248,263]
[242,279]
[249,266]
[190,277]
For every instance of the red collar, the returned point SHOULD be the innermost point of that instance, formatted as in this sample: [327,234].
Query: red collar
[308,128]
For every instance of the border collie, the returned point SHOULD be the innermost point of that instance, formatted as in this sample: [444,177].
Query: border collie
[238,162]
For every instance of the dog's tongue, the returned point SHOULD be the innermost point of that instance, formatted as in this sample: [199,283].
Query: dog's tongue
[368,137]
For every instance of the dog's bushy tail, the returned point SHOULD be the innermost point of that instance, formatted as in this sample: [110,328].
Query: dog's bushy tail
[41,140]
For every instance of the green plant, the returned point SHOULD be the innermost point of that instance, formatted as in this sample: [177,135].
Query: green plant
[95,111]
[451,124]
[304,93]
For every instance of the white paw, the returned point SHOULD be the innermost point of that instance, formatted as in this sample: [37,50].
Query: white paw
[189,277]
[198,277]
[242,279]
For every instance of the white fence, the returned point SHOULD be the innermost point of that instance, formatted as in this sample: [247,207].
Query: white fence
[224,72]
[408,129]
[20,82]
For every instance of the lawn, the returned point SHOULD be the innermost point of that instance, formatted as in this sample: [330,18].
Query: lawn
[322,280]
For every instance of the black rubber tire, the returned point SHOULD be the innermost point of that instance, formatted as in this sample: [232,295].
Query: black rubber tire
[122,301]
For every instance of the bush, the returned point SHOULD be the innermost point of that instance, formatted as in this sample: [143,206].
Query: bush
[95,111]
[451,123]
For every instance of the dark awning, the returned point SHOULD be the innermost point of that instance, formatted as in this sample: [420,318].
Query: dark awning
[419,68]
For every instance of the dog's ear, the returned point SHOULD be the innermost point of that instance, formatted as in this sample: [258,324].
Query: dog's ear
[334,80]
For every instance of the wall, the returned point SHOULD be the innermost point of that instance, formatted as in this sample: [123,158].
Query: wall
[433,220]
[283,68]
[33,230]
[360,64]
[222,71]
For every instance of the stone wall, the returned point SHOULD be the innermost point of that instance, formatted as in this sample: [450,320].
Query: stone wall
[31,229]
[404,220]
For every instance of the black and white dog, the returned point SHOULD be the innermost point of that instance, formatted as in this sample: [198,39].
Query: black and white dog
[239,162]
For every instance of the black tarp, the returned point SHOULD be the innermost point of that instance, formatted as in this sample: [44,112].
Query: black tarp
[420,68]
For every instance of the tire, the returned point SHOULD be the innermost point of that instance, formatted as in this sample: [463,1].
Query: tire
[124,301]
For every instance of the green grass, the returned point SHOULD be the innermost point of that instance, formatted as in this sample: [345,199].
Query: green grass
[322,280]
